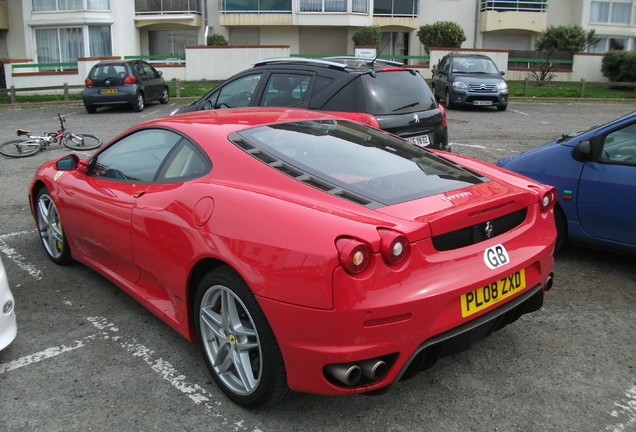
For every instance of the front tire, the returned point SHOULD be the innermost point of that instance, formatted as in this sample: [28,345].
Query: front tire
[165,97]
[447,100]
[502,107]
[20,148]
[238,345]
[140,103]
[561,227]
[81,141]
[50,229]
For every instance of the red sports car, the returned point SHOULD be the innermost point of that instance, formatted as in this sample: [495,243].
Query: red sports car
[303,251]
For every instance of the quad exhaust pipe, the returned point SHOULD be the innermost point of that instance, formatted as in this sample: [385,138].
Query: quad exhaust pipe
[350,374]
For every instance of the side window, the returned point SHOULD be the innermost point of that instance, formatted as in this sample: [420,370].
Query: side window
[620,146]
[238,93]
[136,157]
[185,162]
[148,70]
[286,90]
[349,98]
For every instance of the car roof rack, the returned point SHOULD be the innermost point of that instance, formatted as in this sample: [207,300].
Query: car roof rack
[305,60]
[353,61]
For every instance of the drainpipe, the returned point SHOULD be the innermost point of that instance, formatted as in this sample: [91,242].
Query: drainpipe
[205,22]
[476,24]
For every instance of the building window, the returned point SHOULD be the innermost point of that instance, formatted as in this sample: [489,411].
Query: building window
[99,41]
[65,45]
[396,8]
[60,5]
[610,44]
[167,6]
[612,12]
[171,42]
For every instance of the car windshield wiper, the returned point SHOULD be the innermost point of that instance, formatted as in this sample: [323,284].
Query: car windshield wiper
[412,104]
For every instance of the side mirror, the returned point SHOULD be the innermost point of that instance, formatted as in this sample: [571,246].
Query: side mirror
[159,73]
[583,151]
[502,73]
[70,163]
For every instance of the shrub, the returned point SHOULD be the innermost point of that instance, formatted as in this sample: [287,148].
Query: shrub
[566,38]
[216,40]
[619,66]
[367,36]
[442,34]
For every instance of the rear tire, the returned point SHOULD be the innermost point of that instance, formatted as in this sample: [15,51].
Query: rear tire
[238,345]
[20,148]
[90,109]
[81,141]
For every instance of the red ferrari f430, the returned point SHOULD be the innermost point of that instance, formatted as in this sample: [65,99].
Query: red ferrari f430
[303,251]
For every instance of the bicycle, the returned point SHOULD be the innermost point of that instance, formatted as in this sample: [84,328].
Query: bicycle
[35,143]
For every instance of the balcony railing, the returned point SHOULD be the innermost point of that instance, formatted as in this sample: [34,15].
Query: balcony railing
[514,6]
[168,6]
[396,8]
[349,6]
[255,6]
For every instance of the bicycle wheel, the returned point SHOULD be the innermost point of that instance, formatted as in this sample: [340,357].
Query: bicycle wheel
[81,141]
[20,148]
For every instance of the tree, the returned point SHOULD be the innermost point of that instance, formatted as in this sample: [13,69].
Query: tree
[442,34]
[217,40]
[367,36]
[566,38]
[561,38]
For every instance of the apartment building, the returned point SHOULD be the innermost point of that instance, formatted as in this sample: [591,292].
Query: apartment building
[57,31]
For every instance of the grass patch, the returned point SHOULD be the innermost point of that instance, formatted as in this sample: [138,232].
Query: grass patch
[192,89]
[568,90]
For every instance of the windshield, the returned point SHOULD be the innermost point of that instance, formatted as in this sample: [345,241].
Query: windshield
[396,92]
[472,65]
[359,159]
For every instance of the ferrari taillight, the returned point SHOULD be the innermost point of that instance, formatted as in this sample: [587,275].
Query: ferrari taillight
[354,256]
[548,199]
[129,79]
[88,82]
[394,247]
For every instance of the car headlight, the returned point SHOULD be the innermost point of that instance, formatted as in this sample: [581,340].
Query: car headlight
[502,86]
[460,85]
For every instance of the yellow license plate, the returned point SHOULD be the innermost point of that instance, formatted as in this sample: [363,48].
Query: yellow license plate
[104,91]
[495,292]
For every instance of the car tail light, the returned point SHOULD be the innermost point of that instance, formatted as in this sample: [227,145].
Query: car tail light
[88,82]
[354,256]
[392,69]
[129,79]
[548,199]
[394,247]
[442,111]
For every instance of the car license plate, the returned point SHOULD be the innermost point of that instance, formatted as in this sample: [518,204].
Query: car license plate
[488,295]
[478,102]
[109,91]
[420,140]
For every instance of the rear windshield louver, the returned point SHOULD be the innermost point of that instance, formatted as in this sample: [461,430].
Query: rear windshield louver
[480,232]
[304,177]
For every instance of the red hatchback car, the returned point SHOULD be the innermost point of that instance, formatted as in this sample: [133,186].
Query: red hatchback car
[303,251]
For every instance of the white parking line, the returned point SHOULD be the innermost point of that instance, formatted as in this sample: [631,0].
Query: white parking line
[520,112]
[42,355]
[478,147]
[18,259]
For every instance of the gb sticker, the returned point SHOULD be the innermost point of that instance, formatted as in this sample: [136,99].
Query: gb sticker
[496,256]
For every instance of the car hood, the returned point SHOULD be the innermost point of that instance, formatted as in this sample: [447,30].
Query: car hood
[481,78]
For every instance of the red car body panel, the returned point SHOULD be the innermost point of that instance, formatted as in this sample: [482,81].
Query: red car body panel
[278,234]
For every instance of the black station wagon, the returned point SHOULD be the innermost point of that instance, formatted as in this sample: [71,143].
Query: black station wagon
[398,97]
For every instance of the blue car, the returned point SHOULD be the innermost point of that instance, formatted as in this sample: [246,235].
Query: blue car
[595,174]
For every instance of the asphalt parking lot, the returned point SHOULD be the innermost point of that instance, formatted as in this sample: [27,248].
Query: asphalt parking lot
[87,357]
